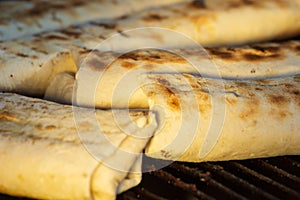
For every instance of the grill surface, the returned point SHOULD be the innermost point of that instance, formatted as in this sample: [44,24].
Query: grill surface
[268,178]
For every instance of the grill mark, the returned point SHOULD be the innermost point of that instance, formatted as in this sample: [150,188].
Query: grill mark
[122,17]
[154,17]
[105,25]
[255,4]
[39,50]
[55,37]
[197,4]
[40,7]
[227,55]
[255,57]
[254,53]
[22,55]
[153,57]
[272,49]
[297,48]
[243,3]
[69,32]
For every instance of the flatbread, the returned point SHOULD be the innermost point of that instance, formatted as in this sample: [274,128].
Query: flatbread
[61,88]
[203,119]
[115,85]
[28,64]
[21,18]
[217,24]
[31,73]
[223,22]
[43,156]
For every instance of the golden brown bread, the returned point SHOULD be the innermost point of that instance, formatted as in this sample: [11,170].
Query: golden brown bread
[21,18]
[99,82]
[54,151]
[205,119]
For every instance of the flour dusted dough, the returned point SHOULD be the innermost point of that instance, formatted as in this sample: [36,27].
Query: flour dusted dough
[43,157]
[254,118]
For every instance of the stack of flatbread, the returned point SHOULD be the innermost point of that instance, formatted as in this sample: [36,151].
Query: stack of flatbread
[106,82]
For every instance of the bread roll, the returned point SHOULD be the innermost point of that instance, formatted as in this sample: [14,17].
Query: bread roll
[53,151]
[107,80]
[204,119]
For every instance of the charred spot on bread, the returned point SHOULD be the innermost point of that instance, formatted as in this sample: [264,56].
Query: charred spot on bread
[40,7]
[278,100]
[221,53]
[105,25]
[257,57]
[153,56]
[128,65]
[22,55]
[154,17]
[273,49]
[296,92]
[55,37]
[197,4]
[70,32]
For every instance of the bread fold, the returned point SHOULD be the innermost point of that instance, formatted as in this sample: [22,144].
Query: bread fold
[53,151]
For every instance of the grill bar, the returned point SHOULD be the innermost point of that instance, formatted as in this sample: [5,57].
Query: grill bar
[245,188]
[265,182]
[289,164]
[172,180]
[205,180]
[276,173]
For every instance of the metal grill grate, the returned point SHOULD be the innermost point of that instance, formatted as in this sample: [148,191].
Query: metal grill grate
[269,178]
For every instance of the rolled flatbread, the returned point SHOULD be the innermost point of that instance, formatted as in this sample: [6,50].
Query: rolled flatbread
[204,119]
[53,151]
[103,84]
[29,72]
[222,22]
[28,64]
[218,23]
[61,88]
[31,17]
